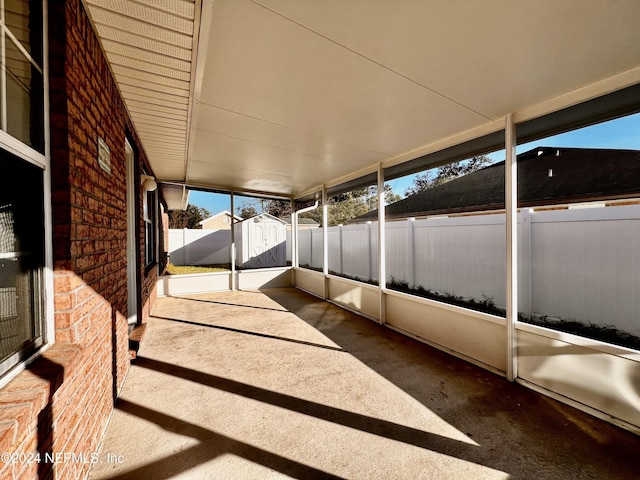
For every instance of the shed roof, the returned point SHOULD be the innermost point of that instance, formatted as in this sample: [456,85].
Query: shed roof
[264,216]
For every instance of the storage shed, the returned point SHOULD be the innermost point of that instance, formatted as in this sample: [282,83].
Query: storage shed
[261,242]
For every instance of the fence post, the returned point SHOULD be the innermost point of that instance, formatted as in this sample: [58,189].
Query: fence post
[524,267]
[369,252]
[411,252]
[340,264]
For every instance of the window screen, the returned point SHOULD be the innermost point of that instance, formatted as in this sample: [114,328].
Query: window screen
[21,259]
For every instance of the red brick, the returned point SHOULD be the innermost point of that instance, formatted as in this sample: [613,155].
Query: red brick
[37,398]
[71,387]
[62,282]
[8,433]
[67,335]
[21,415]
[64,301]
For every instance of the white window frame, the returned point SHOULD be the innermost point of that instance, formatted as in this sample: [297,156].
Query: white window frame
[43,161]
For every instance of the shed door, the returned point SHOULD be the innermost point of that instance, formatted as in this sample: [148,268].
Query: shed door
[272,245]
[265,245]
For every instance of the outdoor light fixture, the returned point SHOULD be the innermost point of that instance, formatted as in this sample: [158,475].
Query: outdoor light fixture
[148,183]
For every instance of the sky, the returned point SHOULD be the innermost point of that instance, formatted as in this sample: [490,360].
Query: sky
[622,133]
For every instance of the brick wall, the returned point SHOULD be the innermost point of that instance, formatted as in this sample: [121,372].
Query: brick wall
[61,403]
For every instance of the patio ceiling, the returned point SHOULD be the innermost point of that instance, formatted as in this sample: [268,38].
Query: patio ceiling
[282,96]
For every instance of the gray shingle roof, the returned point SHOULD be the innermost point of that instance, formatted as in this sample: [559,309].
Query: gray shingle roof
[546,176]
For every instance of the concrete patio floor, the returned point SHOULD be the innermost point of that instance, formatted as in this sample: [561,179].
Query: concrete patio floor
[278,384]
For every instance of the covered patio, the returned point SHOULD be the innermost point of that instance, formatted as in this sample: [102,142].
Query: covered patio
[511,350]
[280,384]
[334,375]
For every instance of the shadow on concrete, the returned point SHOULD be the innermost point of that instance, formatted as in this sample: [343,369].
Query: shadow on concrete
[210,445]
[191,299]
[511,429]
[519,431]
[376,426]
[247,332]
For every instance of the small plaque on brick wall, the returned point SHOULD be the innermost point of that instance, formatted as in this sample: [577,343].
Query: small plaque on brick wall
[104,156]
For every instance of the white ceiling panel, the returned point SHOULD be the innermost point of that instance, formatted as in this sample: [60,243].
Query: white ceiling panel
[495,56]
[234,154]
[214,120]
[284,95]
[256,179]
[326,89]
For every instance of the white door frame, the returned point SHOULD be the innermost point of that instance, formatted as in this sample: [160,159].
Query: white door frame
[132,191]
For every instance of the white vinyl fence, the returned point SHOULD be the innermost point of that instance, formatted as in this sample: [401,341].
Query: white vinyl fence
[199,247]
[581,264]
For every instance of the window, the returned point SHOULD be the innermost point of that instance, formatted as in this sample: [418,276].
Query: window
[21,260]
[150,223]
[23,171]
[22,111]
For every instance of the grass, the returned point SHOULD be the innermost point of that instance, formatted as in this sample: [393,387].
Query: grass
[485,305]
[186,269]
[604,333]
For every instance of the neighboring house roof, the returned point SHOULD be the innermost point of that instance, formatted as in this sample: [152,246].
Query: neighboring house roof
[546,176]
[213,217]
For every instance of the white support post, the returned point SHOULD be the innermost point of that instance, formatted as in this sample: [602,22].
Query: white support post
[382,274]
[233,245]
[325,240]
[511,206]
[411,252]
[294,236]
